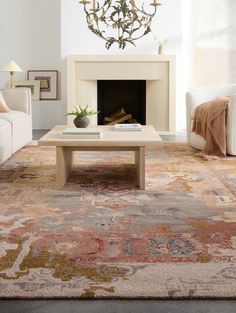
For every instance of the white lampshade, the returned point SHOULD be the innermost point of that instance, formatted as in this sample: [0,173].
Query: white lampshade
[12,67]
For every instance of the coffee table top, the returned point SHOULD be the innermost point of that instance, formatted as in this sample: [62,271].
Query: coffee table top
[147,137]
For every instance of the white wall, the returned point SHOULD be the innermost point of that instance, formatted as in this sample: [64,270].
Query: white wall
[215,42]
[30,34]
[209,42]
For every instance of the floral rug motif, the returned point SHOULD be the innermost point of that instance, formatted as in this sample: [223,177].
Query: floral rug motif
[101,237]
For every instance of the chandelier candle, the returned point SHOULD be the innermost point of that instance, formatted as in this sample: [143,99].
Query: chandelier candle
[119,21]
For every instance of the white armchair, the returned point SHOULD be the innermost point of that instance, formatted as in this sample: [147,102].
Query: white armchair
[195,97]
[15,125]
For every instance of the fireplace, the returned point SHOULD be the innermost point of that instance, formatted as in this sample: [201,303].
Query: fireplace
[158,73]
[128,96]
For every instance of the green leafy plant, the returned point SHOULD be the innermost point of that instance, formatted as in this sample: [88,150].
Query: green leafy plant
[81,111]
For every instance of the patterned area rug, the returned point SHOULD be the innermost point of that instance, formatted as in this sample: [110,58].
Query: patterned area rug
[102,237]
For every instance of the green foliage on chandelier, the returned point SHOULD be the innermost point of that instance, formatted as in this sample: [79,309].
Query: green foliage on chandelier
[130,22]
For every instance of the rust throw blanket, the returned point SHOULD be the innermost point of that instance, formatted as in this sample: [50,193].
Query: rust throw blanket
[210,123]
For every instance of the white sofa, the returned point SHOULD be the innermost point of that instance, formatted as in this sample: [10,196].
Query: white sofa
[195,97]
[16,125]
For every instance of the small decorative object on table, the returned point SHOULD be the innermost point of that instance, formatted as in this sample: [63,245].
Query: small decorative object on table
[81,113]
[128,127]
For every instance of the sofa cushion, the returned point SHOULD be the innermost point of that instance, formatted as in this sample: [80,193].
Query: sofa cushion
[3,106]
[12,115]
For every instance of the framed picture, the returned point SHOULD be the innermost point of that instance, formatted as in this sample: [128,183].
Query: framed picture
[48,83]
[33,85]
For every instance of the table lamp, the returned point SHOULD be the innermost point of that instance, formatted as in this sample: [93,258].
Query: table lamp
[12,67]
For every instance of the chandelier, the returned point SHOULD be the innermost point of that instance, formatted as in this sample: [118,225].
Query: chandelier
[122,22]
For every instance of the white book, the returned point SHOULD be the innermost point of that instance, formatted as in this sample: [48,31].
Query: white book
[128,127]
[81,136]
[81,133]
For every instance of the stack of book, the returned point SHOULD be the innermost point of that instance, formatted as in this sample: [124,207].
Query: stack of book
[128,127]
[81,133]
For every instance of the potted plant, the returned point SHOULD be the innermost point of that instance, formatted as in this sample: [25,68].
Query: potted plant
[81,114]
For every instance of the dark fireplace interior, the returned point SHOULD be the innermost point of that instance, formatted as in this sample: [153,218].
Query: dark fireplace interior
[121,101]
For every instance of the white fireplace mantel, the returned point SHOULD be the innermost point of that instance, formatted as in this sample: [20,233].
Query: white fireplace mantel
[84,71]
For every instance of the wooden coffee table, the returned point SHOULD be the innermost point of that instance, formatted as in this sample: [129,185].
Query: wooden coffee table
[112,141]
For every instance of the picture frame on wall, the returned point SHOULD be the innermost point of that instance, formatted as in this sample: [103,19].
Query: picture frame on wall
[48,83]
[33,85]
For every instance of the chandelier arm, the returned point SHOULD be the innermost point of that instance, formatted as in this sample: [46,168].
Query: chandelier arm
[143,11]
[148,25]
[135,19]
[134,38]
[119,28]
[91,17]
[99,8]
[97,32]
[121,25]
[105,10]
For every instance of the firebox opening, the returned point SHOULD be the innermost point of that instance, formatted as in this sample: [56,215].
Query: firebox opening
[121,101]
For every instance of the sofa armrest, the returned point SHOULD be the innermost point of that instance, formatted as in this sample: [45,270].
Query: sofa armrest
[197,96]
[18,99]
[231,126]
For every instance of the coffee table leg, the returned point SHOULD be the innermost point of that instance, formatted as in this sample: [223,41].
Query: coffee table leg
[64,163]
[140,166]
